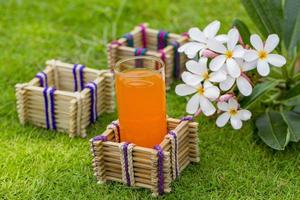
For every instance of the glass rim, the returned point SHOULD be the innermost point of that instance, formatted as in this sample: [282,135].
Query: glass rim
[115,70]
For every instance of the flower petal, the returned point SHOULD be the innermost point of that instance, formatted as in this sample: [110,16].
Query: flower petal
[183,90]
[211,29]
[191,48]
[223,69]
[244,86]
[217,62]
[193,104]
[212,92]
[206,106]
[183,47]
[207,84]
[236,123]
[222,38]
[197,35]
[238,51]
[247,66]
[191,79]
[263,67]
[222,119]
[233,37]
[197,67]
[239,61]
[227,84]
[244,114]
[223,106]
[217,76]
[250,55]
[233,104]
[233,68]
[276,60]
[216,46]
[271,43]
[256,42]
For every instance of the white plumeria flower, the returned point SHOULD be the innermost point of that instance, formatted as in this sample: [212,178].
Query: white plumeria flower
[243,82]
[199,39]
[203,95]
[262,53]
[232,112]
[228,55]
[199,73]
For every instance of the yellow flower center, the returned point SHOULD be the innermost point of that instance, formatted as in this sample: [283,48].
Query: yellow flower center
[205,75]
[228,54]
[232,112]
[201,90]
[262,55]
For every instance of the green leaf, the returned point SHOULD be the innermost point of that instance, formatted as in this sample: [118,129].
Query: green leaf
[293,96]
[291,25]
[272,129]
[297,109]
[292,119]
[256,16]
[266,14]
[243,30]
[258,91]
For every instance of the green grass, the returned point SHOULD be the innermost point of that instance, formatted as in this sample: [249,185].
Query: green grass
[39,164]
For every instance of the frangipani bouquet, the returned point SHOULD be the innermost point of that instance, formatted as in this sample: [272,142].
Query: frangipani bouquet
[218,65]
[229,71]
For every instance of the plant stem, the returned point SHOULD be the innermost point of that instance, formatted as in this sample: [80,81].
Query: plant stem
[285,74]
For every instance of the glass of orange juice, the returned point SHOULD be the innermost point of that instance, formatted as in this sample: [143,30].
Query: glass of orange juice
[141,100]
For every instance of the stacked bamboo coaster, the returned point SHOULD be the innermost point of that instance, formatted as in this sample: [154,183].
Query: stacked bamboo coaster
[137,166]
[65,97]
[146,41]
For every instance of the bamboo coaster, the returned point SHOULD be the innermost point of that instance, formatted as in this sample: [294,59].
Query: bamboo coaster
[65,97]
[156,43]
[148,168]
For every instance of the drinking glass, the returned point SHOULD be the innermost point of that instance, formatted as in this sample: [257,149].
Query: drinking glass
[141,100]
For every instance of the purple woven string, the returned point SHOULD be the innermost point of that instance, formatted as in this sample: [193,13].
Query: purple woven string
[143,32]
[175,152]
[115,42]
[46,107]
[166,36]
[129,39]
[176,45]
[102,138]
[96,100]
[81,78]
[139,52]
[42,76]
[160,166]
[93,88]
[125,152]
[187,118]
[186,34]
[75,77]
[162,39]
[52,109]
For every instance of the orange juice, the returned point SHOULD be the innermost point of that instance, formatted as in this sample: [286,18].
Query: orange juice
[141,103]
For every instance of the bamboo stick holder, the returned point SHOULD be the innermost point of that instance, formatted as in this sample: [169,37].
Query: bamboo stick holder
[108,160]
[71,109]
[156,43]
